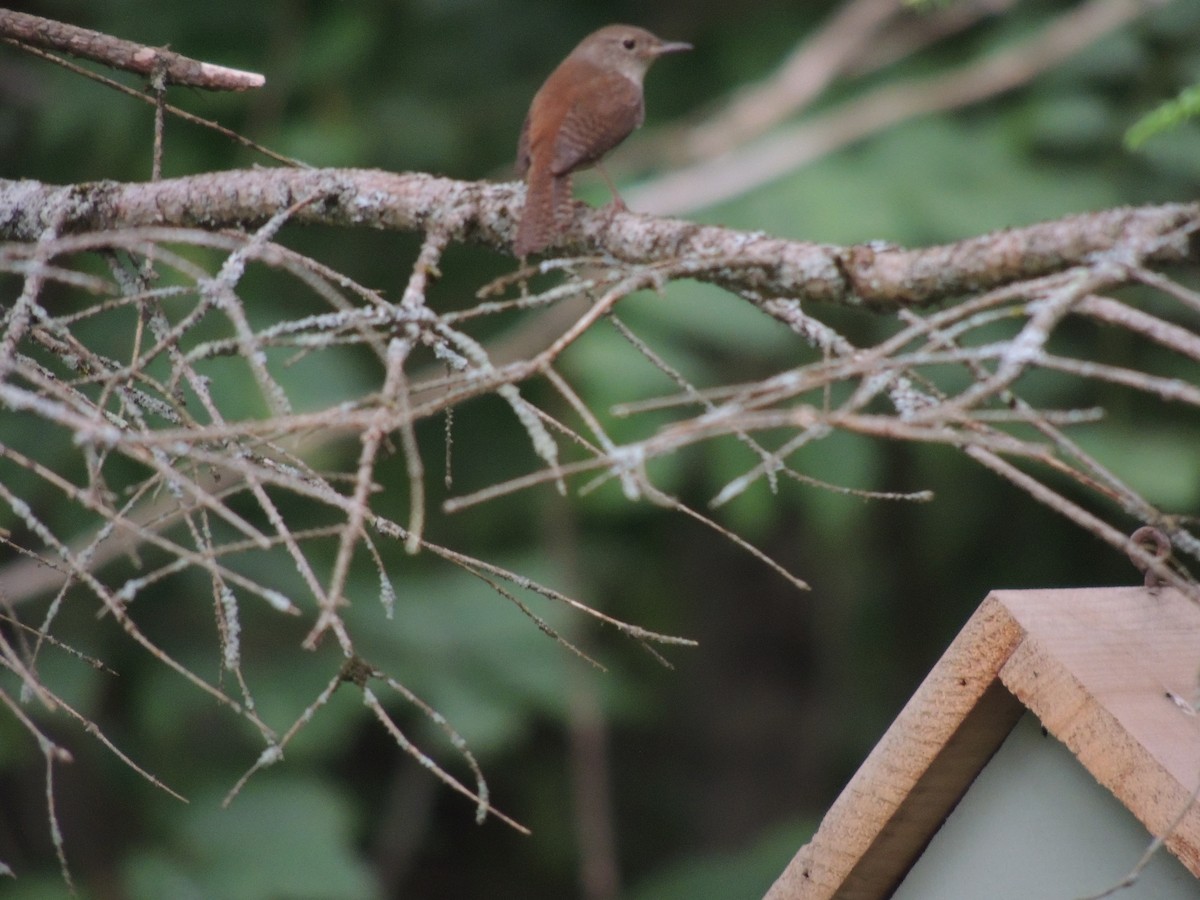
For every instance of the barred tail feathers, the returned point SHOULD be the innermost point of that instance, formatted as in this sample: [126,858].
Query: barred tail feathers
[548,208]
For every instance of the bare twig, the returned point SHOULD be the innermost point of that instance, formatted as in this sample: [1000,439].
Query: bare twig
[121,54]
[159,105]
[740,170]
[177,447]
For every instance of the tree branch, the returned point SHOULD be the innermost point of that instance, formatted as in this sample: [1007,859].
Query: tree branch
[116,53]
[721,177]
[755,264]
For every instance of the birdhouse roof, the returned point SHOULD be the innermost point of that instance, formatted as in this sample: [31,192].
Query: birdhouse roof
[1110,672]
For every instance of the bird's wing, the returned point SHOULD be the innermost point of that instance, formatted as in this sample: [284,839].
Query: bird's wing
[603,115]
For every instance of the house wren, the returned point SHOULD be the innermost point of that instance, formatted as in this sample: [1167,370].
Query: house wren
[587,106]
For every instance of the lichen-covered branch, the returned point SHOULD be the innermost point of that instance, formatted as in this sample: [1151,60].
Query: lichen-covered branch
[879,276]
[174,68]
[172,427]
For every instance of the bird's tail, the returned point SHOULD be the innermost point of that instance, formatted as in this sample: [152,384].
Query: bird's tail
[547,209]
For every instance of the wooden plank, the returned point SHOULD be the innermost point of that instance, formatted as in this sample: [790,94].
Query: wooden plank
[917,772]
[1105,671]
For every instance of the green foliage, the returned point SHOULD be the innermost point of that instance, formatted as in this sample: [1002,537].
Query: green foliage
[934,181]
[748,873]
[1165,117]
[286,836]
[1166,473]
[453,641]
[443,87]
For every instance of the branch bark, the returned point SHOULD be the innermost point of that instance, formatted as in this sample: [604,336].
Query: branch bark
[116,53]
[752,264]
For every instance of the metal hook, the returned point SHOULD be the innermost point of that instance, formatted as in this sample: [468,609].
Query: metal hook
[1157,544]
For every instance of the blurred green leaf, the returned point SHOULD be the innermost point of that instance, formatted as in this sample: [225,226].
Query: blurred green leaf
[925,182]
[444,87]
[1165,470]
[1166,117]
[283,836]
[470,653]
[748,873]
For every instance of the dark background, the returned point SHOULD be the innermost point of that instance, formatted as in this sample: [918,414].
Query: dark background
[720,766]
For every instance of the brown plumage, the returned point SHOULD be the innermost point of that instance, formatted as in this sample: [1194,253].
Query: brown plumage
[587,106]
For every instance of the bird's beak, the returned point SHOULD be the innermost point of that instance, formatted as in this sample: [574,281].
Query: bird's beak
[671,47]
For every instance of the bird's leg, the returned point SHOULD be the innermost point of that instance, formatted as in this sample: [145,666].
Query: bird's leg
[617,205]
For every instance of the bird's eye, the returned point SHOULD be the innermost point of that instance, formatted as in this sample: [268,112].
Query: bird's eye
[629,43]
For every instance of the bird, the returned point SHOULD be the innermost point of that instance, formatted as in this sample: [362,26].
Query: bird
[587,106]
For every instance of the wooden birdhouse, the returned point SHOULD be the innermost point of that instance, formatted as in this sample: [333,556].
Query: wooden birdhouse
[1054,740]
